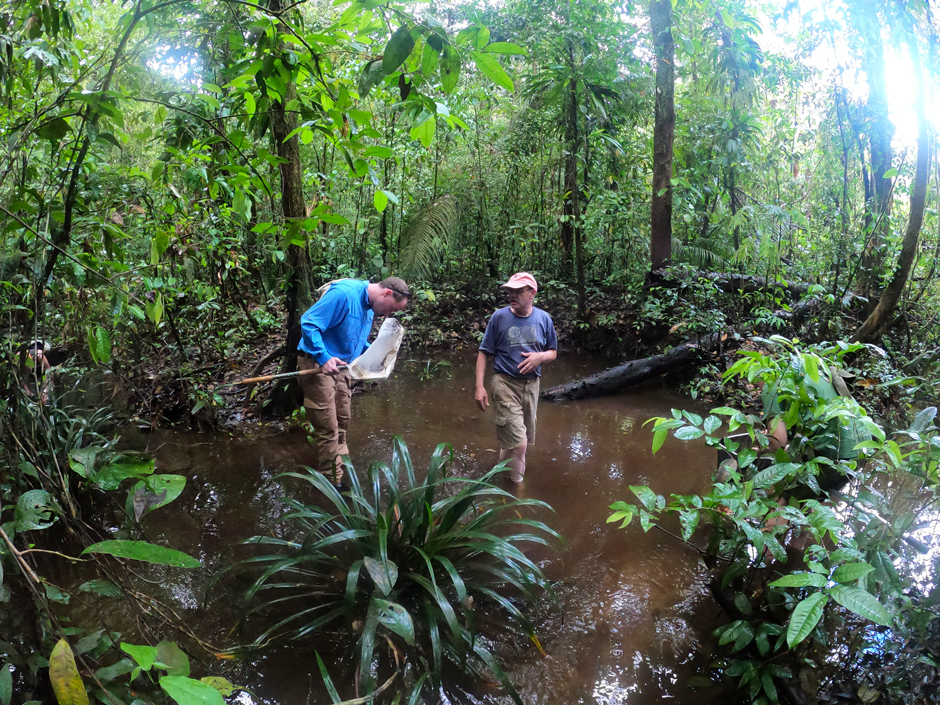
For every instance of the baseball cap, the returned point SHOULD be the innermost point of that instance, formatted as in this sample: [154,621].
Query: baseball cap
[519,280]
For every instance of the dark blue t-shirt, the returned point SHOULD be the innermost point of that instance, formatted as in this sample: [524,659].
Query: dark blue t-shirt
[508,336]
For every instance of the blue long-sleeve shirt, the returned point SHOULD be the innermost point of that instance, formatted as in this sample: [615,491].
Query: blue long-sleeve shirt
[338,325]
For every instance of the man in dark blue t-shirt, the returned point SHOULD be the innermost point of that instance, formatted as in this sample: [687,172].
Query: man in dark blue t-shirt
[518,339]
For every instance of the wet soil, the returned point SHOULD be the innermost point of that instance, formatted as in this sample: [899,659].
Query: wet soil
[631,607]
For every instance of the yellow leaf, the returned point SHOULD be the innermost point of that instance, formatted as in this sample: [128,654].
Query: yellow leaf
[536,641]
[66,680]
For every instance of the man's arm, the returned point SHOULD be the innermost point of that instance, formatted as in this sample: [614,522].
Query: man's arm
[483,361]
[328,312]
[534,359]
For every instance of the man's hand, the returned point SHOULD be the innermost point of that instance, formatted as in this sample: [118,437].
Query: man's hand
[483,400]
[532,360]
[331,366]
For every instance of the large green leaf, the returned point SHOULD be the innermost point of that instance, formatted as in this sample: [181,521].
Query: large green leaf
[63,674]
[774,474]
[424,131]
[862,603]
[146,552]
[850,572]
[152,493]
[144,655]
[34,511]
[431,54]
[111,475]
[397,619]
[805,618]
[173,657]
[397,49]
[372,75]
[800,580]
[54,129]
[187,691]
[450,68]
[492,69]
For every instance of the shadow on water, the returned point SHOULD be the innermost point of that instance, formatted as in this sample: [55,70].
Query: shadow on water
[631,606]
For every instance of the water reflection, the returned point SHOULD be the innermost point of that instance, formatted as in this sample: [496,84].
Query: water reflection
[631,606]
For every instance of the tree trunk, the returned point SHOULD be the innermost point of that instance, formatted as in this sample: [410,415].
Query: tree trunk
[571,210]
[297,293]
[875,325]
[663,133]
[633,372]
[881,132]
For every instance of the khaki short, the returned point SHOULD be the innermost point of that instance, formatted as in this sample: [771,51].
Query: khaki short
[516,402]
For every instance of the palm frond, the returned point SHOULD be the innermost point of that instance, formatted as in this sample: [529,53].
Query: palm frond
[698,255]
[427,238]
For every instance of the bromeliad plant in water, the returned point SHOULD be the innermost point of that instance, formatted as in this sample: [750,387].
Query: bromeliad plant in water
[803,539]
[422,562]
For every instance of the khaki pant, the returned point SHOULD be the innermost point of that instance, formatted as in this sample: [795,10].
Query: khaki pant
[327,401]
[516,401]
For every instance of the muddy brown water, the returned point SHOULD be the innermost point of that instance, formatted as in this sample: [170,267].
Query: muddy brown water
[632,607]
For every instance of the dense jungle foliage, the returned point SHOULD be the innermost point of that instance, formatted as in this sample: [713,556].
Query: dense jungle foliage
[178,177]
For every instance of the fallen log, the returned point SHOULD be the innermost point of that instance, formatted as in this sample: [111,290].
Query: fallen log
[729,282]
[634,371]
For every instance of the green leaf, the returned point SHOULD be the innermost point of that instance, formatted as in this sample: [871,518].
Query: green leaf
[384,574]
[850,572]
[491,68]
[689,521]
[646,496]
[712,424]
[800,580]
[102,345]
[53,130]
[173,658]
[145,656]
[105,588]
[774,474]
[63,674]
[380,200]
[152,493]
[746,456]
[396,618]
[424,132]
[146,552]
[187,691]
[397,49]
[6,684]
[504,48]
[688,433]
[430,56]
[34,511]
[890,173]
[862,603]
[659,437]
[812,366]
[450,68]
[111,476]
[805,618]
[250,105]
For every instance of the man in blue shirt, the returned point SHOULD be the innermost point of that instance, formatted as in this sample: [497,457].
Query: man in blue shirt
[518,339]
[334,332]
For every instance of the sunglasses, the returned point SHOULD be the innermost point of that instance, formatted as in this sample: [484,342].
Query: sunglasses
[406,294]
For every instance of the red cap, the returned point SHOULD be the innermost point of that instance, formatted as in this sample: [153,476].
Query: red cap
[519,280]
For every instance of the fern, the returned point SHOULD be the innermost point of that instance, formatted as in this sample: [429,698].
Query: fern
[428,238]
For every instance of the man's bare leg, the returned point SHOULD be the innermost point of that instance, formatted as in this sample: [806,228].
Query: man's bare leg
[516,457]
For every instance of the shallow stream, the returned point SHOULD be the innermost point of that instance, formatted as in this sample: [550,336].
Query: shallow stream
[632,606]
